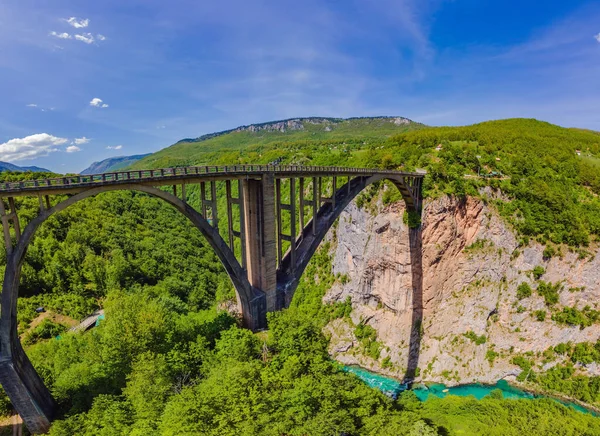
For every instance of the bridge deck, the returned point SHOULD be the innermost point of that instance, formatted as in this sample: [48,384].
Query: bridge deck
[174,176]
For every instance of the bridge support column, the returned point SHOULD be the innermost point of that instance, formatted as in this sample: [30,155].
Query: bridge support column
[261,257]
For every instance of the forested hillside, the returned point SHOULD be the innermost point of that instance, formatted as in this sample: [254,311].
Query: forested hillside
[288,134]
[169,359]
[553,190]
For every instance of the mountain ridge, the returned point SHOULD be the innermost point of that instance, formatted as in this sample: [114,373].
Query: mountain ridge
[282,134]
[113,164]
[7,166]
[292,124]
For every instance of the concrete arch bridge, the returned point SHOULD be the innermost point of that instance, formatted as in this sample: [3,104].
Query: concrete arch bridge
[265,268]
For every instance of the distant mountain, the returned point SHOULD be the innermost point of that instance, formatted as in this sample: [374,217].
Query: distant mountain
[200,150]
[7,166]
[113,164]
[293,124]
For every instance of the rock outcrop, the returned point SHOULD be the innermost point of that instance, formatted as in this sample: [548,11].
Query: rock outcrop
[471,268]
[278,126]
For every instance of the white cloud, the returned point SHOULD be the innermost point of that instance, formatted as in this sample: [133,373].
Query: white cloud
[63,35]
[597,37]
[36,106]
[30,147]
[97,102]
[115,147]
[100,37]
[72,149]
[88,38]
[82,140]
[78,23]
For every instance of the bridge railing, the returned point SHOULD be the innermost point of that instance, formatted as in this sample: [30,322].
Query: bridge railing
[138,175]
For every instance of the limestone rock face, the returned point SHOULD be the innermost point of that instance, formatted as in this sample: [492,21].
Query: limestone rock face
[280,126]
[401,121]
[471,267]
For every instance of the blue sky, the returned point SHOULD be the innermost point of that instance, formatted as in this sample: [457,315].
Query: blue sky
[82,81]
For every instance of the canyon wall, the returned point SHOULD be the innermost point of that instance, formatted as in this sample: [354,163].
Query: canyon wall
[471,268]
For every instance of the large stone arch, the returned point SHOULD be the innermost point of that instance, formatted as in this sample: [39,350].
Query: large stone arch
[17,375]
[289,275]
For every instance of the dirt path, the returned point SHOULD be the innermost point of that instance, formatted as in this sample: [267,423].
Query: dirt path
[54,317]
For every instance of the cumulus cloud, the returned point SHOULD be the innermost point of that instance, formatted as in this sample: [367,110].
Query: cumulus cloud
[30,147]
[72,149]
[97,102]
[63,35]
[78,23]
[82,140]
[32,105]
[88,38]
[597,37]
[114,147]
[100,37]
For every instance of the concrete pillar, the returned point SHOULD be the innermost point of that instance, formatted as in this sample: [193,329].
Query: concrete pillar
[261,257]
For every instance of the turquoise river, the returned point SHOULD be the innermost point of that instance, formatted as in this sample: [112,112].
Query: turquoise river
[392,388]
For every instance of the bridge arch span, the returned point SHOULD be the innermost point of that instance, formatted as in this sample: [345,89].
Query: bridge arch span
[245,292]
[290,273]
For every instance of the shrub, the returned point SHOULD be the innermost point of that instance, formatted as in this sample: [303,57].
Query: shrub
[491,355]
[549,292]
[342,309]
[549,252]
[562,348]
[523,291]
[364,331]
[479,244]
[367,336]
[540,315]
[572,316]
[386,363]
[538,272]
[479,340]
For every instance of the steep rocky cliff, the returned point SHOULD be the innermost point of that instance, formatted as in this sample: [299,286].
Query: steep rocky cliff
[471,268]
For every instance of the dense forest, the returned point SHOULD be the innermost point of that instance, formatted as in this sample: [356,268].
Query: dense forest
[169,358]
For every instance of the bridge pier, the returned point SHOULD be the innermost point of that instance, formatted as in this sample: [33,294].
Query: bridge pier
[260,243]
